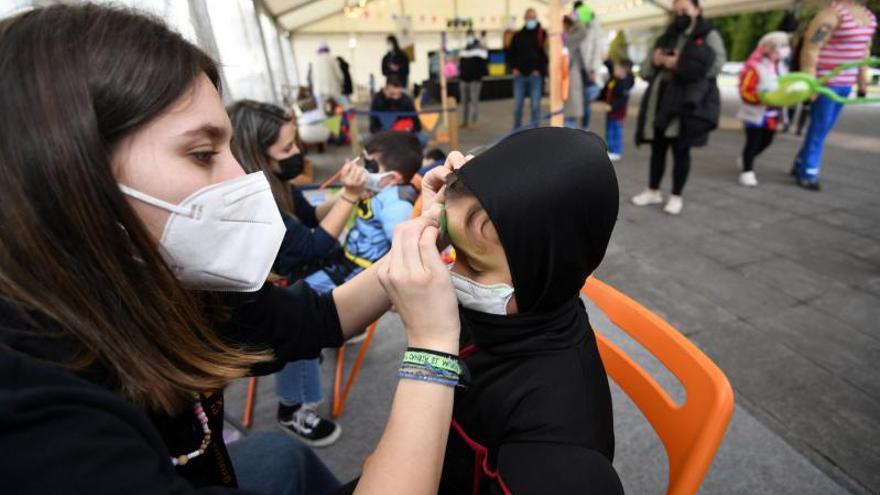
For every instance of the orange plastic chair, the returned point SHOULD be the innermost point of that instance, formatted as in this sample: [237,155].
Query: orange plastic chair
[690,432]
[340,391]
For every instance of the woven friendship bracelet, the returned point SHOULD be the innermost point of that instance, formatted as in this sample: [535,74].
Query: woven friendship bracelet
[438,361]
[428,371]
[427,378]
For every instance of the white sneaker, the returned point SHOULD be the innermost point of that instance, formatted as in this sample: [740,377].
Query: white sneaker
[614,157]
[748,179]
[647,197]
[674,205]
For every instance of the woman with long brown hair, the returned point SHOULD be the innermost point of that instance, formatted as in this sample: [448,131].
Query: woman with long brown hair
[133,255]
[264,140]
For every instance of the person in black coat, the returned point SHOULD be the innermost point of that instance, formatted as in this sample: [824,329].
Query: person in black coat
[682,104]
[536,415]
[527,59]
[133,263]
[395,61]
[347,84]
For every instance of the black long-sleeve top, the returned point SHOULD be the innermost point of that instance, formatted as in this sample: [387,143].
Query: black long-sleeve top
[306,244]
[65,433]
[399,59]
[526,52]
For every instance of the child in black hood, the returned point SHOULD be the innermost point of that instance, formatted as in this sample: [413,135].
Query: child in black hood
[536,416]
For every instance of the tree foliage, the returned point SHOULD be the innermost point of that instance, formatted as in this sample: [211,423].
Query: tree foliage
[741,32]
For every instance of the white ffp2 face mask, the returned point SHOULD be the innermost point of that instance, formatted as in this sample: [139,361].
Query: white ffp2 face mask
[221,237]
[374,179]
[491,299]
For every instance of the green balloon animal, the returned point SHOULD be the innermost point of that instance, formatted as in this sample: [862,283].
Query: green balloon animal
[798,87]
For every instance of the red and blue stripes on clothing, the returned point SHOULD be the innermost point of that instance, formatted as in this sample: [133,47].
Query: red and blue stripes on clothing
[848,43]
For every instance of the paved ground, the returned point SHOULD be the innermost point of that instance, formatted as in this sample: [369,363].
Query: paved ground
[780,286]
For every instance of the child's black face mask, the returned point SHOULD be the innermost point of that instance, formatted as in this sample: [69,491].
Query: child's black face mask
[552,196]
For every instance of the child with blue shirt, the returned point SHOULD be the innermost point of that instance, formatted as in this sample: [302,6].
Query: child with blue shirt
[399,157]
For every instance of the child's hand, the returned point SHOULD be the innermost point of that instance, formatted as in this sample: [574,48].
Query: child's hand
[420,288]
[436,178]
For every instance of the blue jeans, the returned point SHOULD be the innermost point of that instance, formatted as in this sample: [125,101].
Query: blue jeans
[534,85]
[279,464]
[614,135]
[823,116]
[299,382]
[591,92]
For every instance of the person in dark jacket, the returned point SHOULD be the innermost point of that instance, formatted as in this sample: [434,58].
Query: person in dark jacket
[615,94]
[347,84]
[395,61]
[536,415]
[264,140]
[133,267]
[682,104]
[472,67]
[527,59]
[389,100]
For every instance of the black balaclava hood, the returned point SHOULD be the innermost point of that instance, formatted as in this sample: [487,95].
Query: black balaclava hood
[552,195]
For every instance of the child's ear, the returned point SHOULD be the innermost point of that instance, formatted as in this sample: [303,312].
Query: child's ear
[394,177]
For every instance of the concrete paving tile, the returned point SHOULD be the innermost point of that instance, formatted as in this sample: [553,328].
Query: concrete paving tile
[803,233]
[864,222]
[794,279]
[828,342]
[726,287]
[857,308]
[732,252]
[837,264]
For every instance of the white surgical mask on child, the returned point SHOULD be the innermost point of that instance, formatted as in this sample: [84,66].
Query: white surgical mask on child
[784,52]
[373,180]
[221,237]
[491,299]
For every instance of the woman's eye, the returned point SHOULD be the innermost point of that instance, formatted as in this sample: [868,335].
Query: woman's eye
[204,157]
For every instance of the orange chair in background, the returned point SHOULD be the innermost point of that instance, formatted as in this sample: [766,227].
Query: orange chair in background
[340,390]
[690,432]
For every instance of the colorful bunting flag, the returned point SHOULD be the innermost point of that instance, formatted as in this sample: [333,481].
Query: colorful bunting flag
[333,123]
[429,120]
[387,120]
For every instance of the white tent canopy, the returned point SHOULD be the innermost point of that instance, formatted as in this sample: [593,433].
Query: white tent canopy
[326,16]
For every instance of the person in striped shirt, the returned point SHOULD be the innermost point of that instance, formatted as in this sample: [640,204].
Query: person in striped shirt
[840,33]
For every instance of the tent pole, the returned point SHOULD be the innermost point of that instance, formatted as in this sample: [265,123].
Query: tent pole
[555,36]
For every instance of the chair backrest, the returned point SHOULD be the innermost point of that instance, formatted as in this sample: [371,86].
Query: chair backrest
[690,432]
[417,207]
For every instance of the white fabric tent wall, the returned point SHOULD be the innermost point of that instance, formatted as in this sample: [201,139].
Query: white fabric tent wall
[366,57]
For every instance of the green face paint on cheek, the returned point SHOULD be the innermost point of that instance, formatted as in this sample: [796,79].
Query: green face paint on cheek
[444,226]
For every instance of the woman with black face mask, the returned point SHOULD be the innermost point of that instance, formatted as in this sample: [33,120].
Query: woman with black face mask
[264,139]
[682,103]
